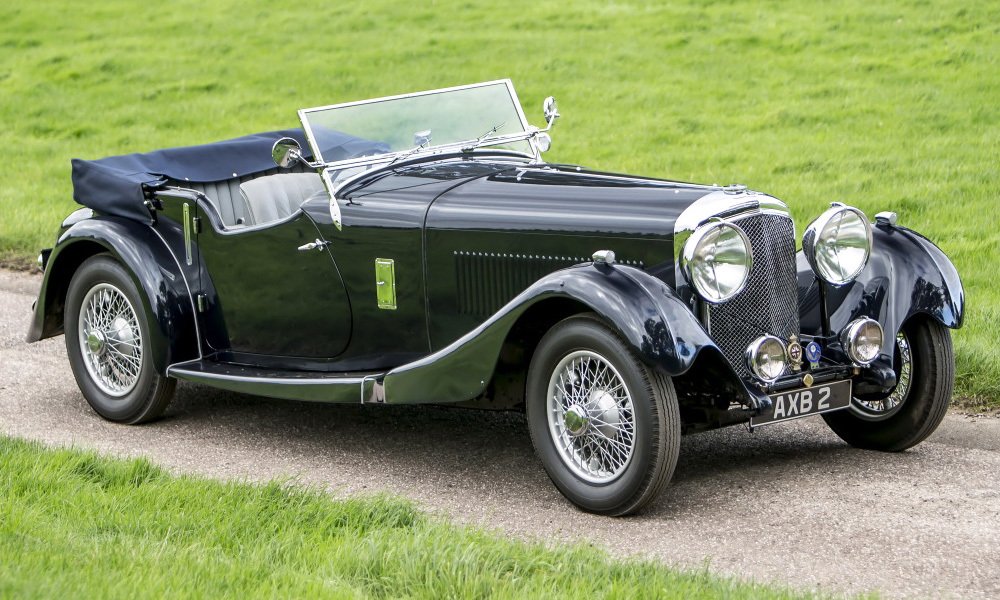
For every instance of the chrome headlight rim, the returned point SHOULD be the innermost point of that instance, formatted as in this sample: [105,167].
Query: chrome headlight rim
[688,260]
[812,238]
[754,350]
[849,336]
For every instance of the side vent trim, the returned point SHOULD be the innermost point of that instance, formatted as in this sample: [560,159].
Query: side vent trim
[488,280]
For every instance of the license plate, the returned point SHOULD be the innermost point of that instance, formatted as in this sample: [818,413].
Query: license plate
[803,402]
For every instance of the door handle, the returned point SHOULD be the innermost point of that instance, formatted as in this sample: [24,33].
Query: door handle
[317,245]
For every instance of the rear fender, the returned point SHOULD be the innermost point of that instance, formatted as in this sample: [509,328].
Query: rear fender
[645,312]
[155,271]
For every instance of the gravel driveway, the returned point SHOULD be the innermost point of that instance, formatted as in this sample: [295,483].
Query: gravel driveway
[789,503]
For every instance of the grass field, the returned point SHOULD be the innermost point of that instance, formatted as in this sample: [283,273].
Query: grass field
[79,526]
[887,106]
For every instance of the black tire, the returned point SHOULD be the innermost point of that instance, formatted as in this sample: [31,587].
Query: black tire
[924,404]
[149,393]
[656,419]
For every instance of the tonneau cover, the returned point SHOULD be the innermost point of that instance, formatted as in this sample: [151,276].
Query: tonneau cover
[117,185]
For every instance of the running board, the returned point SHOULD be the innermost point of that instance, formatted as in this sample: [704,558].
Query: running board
[284,384]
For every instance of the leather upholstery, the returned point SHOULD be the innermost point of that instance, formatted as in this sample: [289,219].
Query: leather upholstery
[273,198]
[227,197]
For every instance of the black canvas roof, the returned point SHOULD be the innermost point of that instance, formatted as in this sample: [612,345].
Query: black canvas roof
[117,185]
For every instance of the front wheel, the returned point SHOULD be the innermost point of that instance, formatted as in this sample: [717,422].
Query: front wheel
[925,374]
[605,426]
[108,343]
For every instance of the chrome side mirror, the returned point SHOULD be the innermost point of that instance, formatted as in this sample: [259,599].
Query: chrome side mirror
[286,152]
[551,111]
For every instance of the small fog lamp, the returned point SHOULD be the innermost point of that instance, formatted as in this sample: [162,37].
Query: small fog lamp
[862,340]
[766,358]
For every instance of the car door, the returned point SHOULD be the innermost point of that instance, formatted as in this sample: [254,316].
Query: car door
[272,290]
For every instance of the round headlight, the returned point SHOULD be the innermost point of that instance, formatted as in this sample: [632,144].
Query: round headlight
[717,260]
[862,340]
[838,244]
[766,358]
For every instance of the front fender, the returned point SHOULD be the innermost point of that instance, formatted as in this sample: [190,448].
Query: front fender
[166,298]
[906,275]
[644,311]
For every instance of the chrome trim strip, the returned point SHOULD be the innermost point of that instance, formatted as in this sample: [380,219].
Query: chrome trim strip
[187,234]
[333,389]
[194,309]
[651,181]
[729,207]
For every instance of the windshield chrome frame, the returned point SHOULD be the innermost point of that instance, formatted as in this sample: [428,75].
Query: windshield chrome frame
[526,135]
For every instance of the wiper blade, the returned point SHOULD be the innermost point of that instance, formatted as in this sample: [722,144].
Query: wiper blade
[424,138]
[479,140]
[409,152]
[472,145]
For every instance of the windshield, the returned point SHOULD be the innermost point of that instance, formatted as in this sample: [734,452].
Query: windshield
[484,114]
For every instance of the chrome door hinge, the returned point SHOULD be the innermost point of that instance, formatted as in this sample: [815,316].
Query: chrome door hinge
[201,301]
[196,224]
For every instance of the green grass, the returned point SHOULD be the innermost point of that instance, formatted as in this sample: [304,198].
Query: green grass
[78,525]
[887,106]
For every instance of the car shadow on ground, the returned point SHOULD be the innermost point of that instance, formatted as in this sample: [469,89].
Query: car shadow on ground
[492,451]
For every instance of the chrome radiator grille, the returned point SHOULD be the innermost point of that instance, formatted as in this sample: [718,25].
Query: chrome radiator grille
[769,304]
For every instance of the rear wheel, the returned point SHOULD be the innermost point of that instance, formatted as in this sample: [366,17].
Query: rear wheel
[107,340]
[925,374]
[605,426]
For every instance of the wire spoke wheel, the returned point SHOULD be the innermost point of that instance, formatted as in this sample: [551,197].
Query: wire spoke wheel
[591,417]
[925,376]
[110,339]
[605,425]
[884,407]
[110,345]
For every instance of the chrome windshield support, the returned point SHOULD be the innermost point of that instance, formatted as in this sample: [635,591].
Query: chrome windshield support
[335,214]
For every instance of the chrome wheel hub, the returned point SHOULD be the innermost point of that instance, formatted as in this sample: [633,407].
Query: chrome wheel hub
[95,342]
[110,340]
[576,420]
[591,417]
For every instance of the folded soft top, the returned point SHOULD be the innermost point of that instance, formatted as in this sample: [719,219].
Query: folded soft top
[117,185]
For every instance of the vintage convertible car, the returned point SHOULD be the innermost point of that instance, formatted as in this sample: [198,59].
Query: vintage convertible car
[416,249]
